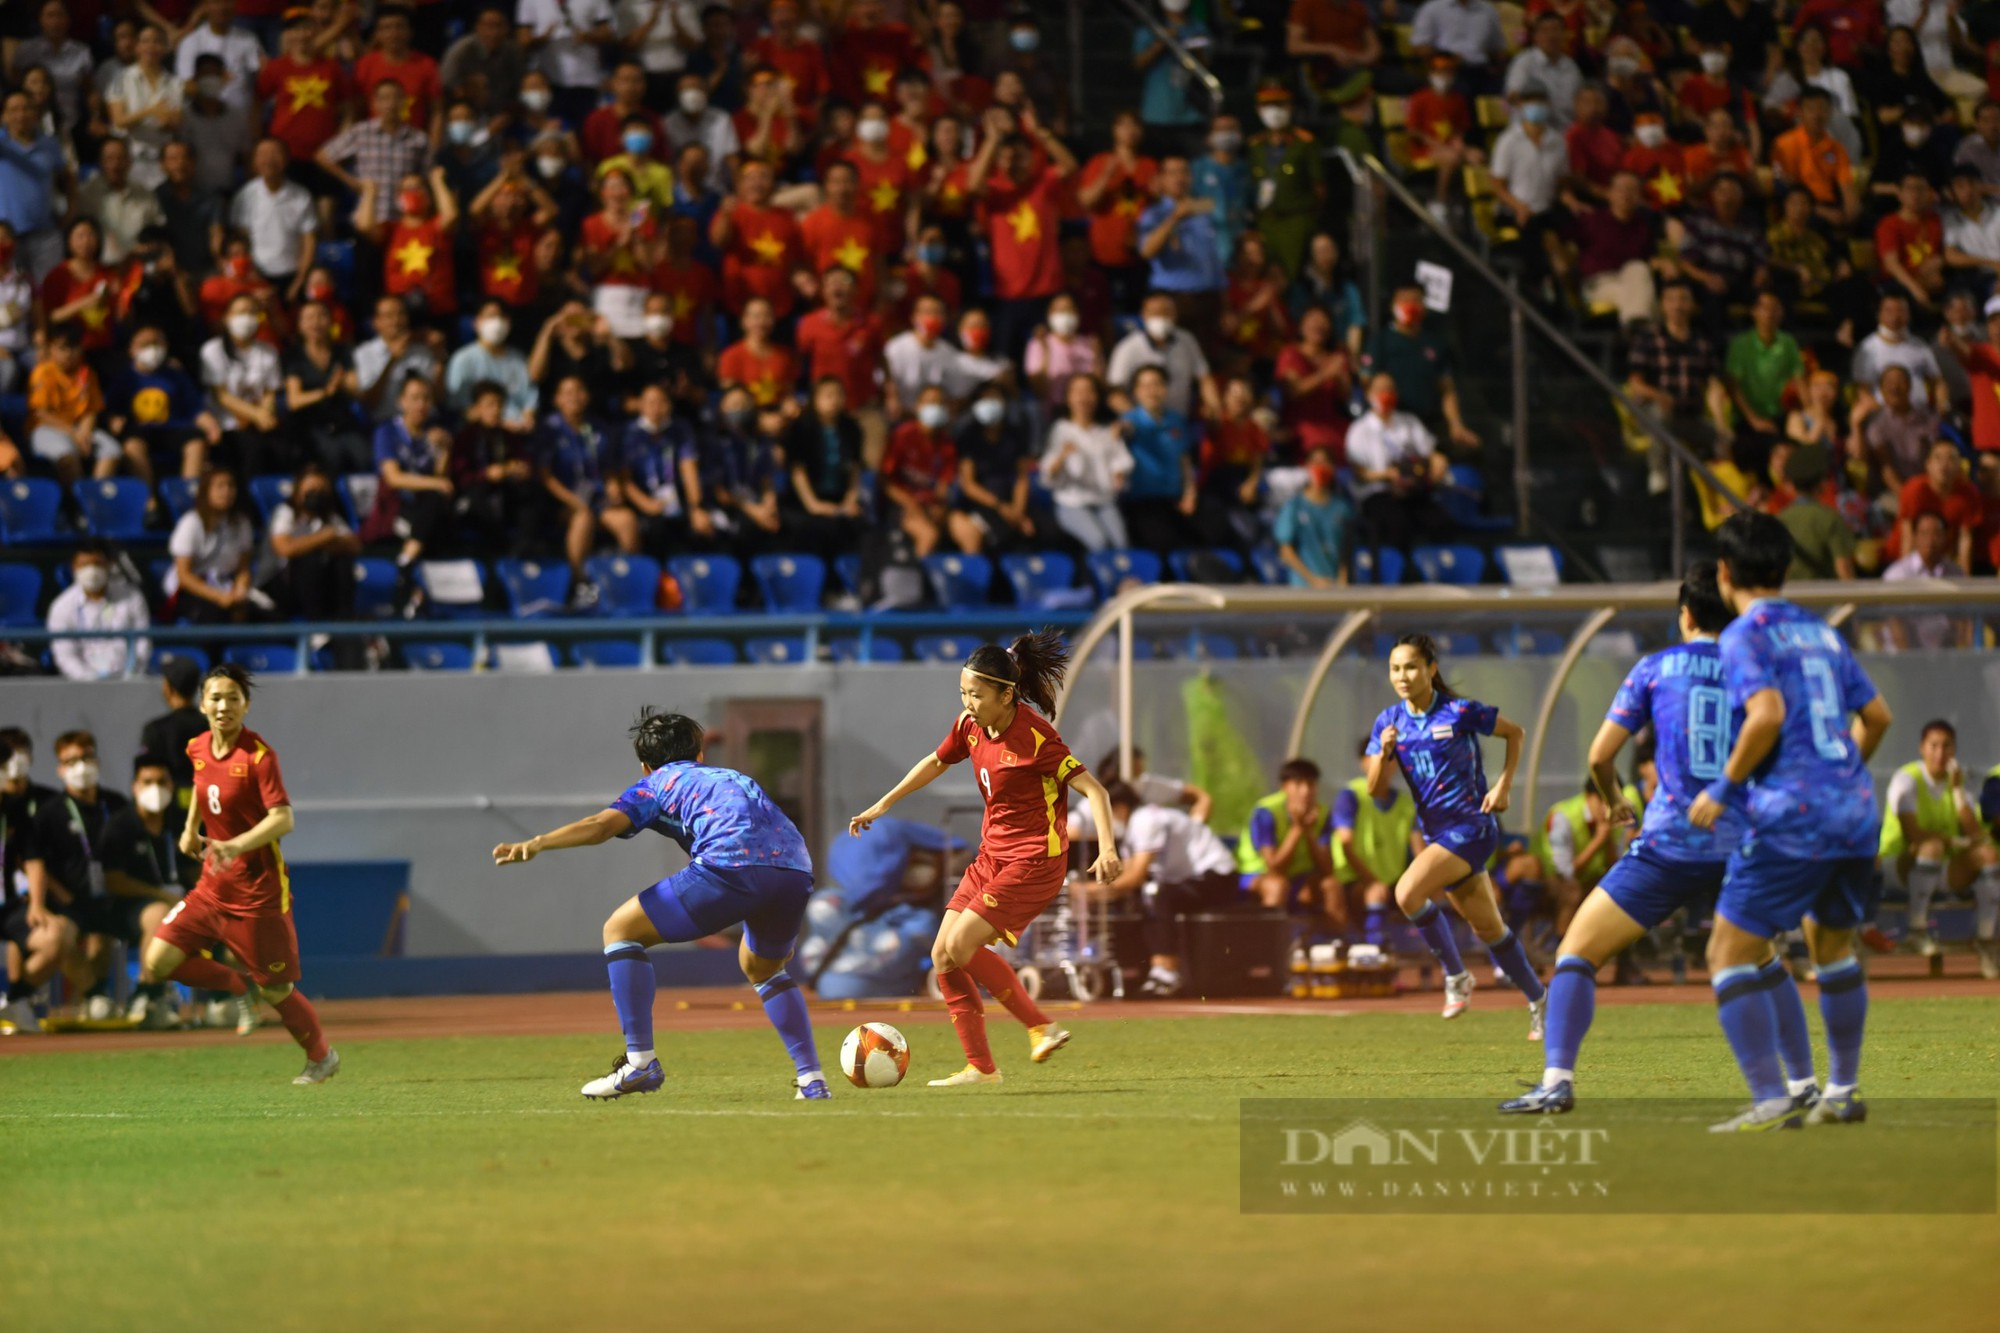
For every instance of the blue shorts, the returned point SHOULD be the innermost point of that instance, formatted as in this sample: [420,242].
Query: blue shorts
[1472,841]
[1767,893]
[770,901]
[1649,888]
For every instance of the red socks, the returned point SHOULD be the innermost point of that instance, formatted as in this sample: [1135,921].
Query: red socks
[968,1016]
[302,1021]
[990,970]
[208,974]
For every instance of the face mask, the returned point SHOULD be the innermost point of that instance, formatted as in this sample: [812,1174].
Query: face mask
[638,142]
[930,326]
[931,254]
[1174,6]
[80,774]
[933,415]
[243,327]
[319,291]
[153,798]
[1440,83]
[1275,117]
[414,202]
[988,411]
[1409,312]
[1714,62]
[17,767]
[1915,135]
[693,101]
[314,500]
[741,420]
[1385,403]
[1622,67]
[1063,323]
[1536,113]
[1024,39]
[1651,135]
[1322,475]
[149,357]
[872,130]
[493,331]
[659,325]
[1225,141]
[93,578]
[976,338]
[550,167]
[535,99]
[1159,328]
[208,86]
[461,131]
[237,266]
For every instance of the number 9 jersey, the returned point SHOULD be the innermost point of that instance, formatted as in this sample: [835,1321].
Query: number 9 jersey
[1024,774]
[1679,691]
[232,795]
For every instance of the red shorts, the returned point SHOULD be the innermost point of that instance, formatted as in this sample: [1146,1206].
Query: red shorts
[1009,894]
[266,945]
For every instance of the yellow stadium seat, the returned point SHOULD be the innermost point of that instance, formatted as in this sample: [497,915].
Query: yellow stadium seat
[1400,35]
[1494,113]
[1392,113]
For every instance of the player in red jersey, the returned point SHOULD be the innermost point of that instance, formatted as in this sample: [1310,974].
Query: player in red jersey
[243,901]
[1025,772]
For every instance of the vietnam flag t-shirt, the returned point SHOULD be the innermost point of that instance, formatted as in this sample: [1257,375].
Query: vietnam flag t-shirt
[1022,227]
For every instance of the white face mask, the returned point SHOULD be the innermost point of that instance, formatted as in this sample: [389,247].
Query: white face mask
[243,327]
[93,578]
[550,166]
[149,357]
[1174,6]
[693,101]
[872,130]
[80,774]
[932,415]
[535,99]
[1063,323]
[1275,117]
[1621,67]
[1651,135]
[988,411]
[1714,62]
[493,330]
[17,767]
[1914,135]
[659,325]
[1440,83]
[153,798]
[1159,328]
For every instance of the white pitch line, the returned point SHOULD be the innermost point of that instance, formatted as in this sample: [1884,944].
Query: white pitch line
[637,1110]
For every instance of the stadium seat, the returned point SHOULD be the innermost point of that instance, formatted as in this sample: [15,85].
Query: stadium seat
[266,659]
[20,590]
[523,659]
[708,583]
[1382,566]
[700,652]
[1524,642]
[374,586]
[848,569]
[790,583]
[1527,566]
[1450,564]
[161,652]
[269,493]
[627,585]
[1269,569]
[1036,574]
[1459,643]
[357,491]
[880,649]
[28,508]
[1460,500]
[1182,562]
[777,650]
[113,507]
[438,656]
[535,589]
[602,654]
[1627,564]
[453,589]
[960,582]
[1108,569]
[1213,647]
[177,493]
[944,647]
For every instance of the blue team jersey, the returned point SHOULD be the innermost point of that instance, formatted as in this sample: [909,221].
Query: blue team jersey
[1439,754]
[720,818]
[1811,799]
[1680,692]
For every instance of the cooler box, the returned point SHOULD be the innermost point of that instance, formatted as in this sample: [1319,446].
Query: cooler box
[1235,954]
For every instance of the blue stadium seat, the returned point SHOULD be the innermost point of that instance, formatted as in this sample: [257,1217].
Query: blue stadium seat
[1035,574]
[1216,647]
[1111,568]
[357,491]
[269,493]
[161,652]
[28,510]
[535,589]
[266,659]
[880,649]
[177,493]
[1269,569]
[337,257]
[847,568]
[462,584]
[776,650]
[1524,642]
[1509,558]
[708,583]
[790,583]
[113,507]
[1179,562]
[374,586]
[1383,566]
[1450,564]
[20,589]
[627,585]
[438,656]
[960,582]
[605,653]
[523,658]
[1460,643]
[700,652]
[1460,498]
[944,647]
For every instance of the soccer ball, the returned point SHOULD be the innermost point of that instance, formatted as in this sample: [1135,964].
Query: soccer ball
[874,1056]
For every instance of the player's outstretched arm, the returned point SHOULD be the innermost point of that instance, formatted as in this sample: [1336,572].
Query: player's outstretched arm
[1105,867]
[275,824]
[928,770]
[1497,795]
[1763,719]
[600,827]
[1604,748]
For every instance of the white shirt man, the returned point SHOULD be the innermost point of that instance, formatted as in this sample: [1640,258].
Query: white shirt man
[96,601]
[122,211]
[1559,78]
[242,56]
[1468,29]
[1379,444]
[712,129]
[913,367]
[1180,356]
[1183,849]
[569,61]
[674,22]
[1531,169]
[1878,352]
[280,224]
[1975,236]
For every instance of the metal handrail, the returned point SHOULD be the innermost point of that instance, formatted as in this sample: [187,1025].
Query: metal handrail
[1178,50]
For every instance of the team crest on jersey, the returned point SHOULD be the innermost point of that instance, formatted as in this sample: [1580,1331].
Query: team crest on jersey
[1441,732]
[277,967]
[239,770]
[200,764]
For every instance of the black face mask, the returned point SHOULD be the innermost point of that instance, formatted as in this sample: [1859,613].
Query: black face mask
[741,420]
[318,503]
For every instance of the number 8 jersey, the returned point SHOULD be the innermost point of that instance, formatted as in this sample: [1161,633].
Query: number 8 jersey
[233,794]
[1679,691]
[1811,799]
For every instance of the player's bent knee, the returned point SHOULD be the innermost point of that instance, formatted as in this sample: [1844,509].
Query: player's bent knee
[274,995]
[1930,849]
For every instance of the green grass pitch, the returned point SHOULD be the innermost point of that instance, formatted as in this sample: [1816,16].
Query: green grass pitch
[462,1183]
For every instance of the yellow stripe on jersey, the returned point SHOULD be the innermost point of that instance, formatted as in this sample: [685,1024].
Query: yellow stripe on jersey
[1050,791]
[1039,739]
[284,880]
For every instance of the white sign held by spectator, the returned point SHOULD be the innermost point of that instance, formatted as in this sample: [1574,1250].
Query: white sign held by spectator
[1436,282]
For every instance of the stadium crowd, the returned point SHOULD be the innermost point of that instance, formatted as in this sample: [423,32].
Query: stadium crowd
[279,286]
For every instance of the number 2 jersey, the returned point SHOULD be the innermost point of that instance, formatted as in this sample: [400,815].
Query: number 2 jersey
[1679,691]
[232,794]
[1439,754]
[1811,798]
[1024,773]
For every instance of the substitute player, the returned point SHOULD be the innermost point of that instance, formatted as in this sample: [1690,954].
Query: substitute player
[1025,773]
[1932,837]
[747,864]
[1801,776]
[1433,736]
[243,900]
[1678,692]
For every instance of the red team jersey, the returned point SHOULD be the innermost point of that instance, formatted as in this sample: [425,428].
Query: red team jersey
[233,794]
[1024,774]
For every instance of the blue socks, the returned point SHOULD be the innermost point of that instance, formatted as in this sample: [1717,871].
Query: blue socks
[1513,960]
[632,985]
[785,1006]
[1432,923]
[1794,1041]
[1750,1021]
[1843,1005]
[1572,1006]
[1374,925]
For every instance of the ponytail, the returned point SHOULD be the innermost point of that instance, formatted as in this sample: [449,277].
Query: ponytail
[1427,649]
[1034,665]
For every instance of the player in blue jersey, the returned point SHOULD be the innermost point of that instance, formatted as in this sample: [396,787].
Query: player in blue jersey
[1433,736]
[1679,693]
[746,863]
[1799,774]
